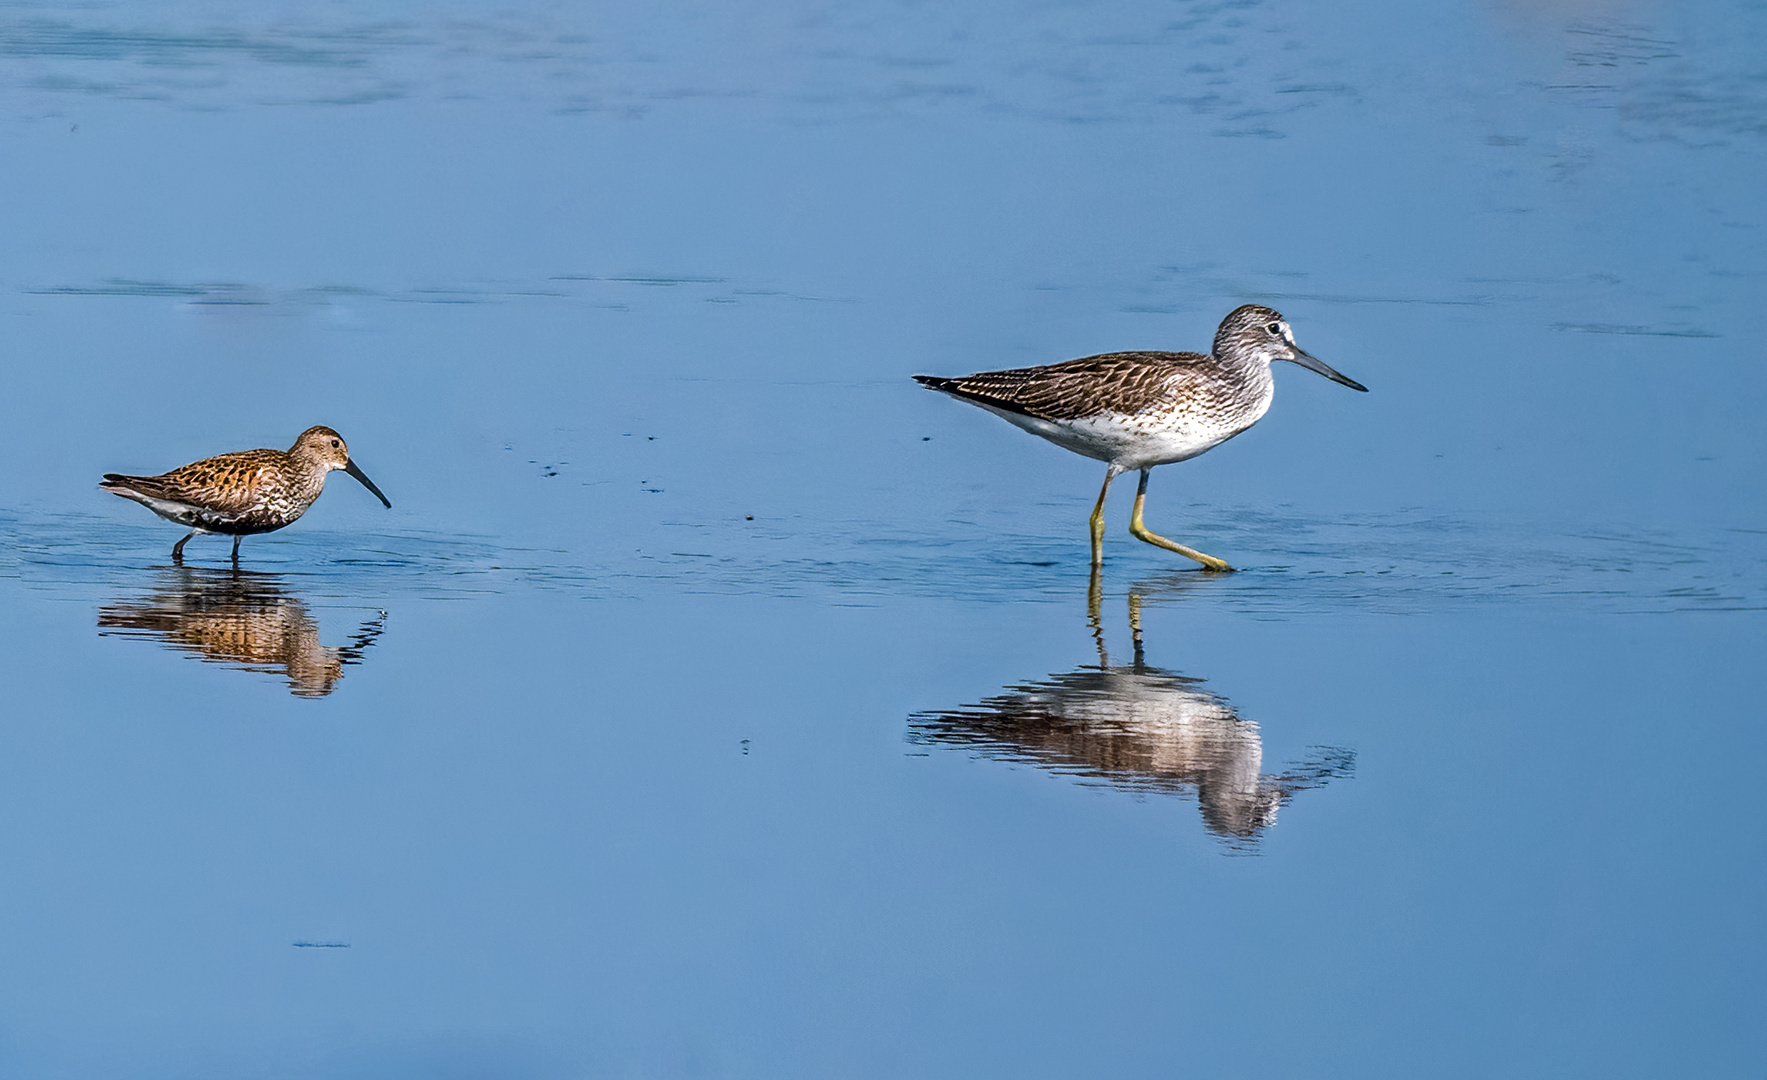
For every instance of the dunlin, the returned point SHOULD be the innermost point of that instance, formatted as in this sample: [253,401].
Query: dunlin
[251,491]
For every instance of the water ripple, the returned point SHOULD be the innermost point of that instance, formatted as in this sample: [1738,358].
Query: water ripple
[1289,566]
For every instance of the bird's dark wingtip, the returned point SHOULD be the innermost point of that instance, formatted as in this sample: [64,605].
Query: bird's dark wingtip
[932,382]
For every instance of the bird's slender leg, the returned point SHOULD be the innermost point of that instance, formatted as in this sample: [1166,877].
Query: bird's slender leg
[236,537]
[178,548]
[1140,532]
[1110,473]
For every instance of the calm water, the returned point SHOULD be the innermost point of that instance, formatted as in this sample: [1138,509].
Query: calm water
[716,702]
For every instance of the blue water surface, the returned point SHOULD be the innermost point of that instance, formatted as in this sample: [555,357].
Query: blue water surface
[714,701]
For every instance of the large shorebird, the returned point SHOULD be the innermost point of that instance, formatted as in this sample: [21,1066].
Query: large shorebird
[1135,410]
[251,491]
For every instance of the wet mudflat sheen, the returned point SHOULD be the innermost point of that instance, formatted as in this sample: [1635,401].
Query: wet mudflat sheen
[714,701]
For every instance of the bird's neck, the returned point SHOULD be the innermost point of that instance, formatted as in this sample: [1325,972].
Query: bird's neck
[306,459]
[1251,383]
[310,473]
[1249,368]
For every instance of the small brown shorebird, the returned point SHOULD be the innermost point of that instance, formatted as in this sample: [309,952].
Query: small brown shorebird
[252,491]
[1135,410]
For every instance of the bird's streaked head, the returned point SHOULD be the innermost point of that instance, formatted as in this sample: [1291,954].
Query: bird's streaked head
[1253,331]
[326,447]
[323,445]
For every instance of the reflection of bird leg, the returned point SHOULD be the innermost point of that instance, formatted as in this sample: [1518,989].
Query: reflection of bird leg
[1110,474]
[1095,598]
[178,548]
[1141,532]
[1135,627]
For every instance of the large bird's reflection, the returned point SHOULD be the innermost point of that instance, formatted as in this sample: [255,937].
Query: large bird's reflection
[1140,729]
[242,619]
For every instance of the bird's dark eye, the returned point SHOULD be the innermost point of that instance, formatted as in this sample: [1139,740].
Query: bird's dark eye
[334,442]
[1275,328]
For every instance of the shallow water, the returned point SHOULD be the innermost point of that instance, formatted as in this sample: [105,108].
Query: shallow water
[714,701]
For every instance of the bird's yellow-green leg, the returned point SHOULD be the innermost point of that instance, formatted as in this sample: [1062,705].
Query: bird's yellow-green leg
[1140,532]
[1098,516]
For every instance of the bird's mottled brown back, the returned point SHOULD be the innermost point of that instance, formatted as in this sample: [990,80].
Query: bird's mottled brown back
[1125,382]
[230,483]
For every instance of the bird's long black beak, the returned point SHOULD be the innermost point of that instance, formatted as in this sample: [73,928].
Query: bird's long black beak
[1311,363]
[369,484]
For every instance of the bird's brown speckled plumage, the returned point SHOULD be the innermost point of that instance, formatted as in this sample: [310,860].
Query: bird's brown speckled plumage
[246,492]
[1135,410]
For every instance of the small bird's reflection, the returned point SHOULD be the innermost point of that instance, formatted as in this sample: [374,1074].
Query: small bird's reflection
[1140,729]
[242,619]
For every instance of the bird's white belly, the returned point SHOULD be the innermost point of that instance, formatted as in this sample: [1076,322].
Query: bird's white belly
[182,513]
[1129,442]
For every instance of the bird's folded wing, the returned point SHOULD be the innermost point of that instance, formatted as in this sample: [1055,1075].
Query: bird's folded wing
[1130,382]
[228,484]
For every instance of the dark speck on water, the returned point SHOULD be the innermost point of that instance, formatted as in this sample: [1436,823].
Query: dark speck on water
[1409,798]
